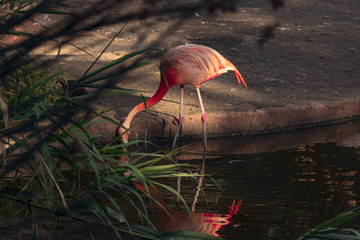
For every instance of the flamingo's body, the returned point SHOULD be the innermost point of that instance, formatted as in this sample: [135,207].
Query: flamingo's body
[185,64]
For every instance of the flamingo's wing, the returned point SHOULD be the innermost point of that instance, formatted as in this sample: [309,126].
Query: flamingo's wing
[195,64]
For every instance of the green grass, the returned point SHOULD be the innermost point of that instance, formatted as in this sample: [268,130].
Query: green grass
[52,152]
[53,172]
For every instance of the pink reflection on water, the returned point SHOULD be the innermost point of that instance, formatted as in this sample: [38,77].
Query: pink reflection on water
[209,223]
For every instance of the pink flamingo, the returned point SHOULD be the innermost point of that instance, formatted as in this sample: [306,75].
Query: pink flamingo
[185,64]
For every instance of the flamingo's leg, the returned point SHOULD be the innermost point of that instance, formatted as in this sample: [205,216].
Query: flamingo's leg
[203,116]
[181,117]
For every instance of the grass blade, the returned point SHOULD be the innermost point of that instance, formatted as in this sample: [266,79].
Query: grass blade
[103,51]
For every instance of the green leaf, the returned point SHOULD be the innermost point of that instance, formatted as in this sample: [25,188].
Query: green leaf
[113,63]
[160,169]
[102,52]
[332,223]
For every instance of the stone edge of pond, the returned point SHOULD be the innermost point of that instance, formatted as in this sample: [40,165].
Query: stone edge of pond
[154,126]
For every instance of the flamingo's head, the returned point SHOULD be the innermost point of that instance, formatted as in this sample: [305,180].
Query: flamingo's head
[123,134]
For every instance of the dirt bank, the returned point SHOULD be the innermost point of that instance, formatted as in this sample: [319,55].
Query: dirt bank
[307,74]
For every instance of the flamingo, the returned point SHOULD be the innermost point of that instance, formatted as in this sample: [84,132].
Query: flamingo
[184,64]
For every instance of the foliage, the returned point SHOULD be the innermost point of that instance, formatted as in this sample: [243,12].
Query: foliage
[53,172]
[75,178]
[40,82]
[330,229]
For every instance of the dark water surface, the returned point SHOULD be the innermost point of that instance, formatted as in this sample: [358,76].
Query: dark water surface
[271,186]
[275,186]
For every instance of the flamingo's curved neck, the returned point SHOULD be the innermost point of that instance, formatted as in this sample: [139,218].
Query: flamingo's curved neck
[159,94]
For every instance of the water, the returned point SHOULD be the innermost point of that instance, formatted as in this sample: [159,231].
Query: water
[272,186]
[275,186]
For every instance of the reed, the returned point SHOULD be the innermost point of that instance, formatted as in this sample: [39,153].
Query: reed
[55,180]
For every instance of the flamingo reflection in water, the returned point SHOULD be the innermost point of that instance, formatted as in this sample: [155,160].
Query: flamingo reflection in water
[204,222]
[209,223]
[196,221]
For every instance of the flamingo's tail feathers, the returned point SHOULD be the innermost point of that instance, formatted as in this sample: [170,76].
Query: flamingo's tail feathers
[238,76]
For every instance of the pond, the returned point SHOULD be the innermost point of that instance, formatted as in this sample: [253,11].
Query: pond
[273,186]
[270,186]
